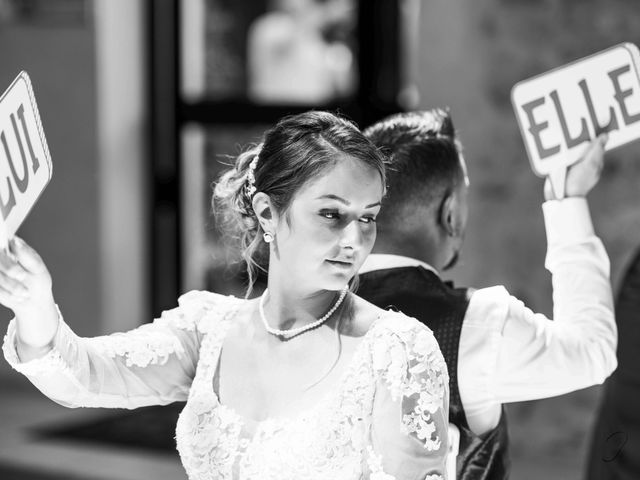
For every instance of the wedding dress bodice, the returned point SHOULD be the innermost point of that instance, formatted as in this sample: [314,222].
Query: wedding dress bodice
[386,419]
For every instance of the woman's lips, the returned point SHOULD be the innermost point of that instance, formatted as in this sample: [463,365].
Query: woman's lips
[340,264]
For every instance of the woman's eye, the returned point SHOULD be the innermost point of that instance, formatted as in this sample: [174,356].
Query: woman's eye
[335,215]
[330,215]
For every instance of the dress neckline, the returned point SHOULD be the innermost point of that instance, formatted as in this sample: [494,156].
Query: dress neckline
[275,421]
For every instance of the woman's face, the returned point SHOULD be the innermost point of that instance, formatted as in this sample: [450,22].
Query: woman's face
[330,228]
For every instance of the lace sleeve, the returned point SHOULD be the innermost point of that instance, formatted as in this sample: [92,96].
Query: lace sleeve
[152,364]
[409,432]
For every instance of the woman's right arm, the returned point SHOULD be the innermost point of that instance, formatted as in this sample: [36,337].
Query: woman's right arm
[153,364]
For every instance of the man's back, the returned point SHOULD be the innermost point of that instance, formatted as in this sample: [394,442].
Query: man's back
[420,293]
[502,351]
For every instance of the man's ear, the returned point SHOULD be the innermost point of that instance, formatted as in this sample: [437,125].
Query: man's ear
[264,211]
[451,214]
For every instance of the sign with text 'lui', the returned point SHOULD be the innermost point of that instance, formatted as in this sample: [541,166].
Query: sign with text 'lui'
[559,112]
[25,163]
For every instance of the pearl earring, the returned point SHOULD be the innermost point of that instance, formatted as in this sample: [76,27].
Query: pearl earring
[268,238]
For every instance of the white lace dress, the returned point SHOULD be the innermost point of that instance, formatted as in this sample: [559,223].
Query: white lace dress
[386,419]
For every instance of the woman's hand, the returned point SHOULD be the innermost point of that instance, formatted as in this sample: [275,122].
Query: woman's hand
[25,288]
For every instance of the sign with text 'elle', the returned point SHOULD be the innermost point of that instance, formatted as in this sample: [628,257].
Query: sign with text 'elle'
[25,163]
[560,111]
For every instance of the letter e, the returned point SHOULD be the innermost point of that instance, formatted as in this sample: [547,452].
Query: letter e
[620,95]
[536,128]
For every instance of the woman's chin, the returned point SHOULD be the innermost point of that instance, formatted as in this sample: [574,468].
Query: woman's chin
[337,282]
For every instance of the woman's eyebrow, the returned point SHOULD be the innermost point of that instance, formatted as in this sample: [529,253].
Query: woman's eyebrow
[331,196]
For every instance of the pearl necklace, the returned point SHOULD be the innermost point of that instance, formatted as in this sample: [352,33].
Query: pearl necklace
[297,331]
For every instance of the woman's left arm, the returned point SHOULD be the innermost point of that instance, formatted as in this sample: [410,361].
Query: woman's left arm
[409,435]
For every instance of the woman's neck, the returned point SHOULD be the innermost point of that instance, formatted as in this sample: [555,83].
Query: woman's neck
[287,307]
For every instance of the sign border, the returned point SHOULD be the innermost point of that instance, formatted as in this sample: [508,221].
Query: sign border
[635,58]
[24,76]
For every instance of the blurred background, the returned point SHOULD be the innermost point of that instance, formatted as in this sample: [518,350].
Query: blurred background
[143,102]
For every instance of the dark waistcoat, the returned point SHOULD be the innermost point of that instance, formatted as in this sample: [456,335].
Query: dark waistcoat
[420,293]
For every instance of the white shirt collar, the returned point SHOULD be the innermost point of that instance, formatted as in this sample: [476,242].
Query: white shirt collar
[380,261]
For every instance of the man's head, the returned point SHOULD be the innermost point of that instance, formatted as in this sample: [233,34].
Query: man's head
[425,212]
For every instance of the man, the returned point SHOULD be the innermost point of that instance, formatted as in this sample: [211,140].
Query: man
[497,350]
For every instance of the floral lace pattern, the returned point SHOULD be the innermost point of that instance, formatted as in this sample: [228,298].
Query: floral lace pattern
[48,363]
[332,439]
[52,361]
[386,419]
[147,345]
[414,375]
[141,347]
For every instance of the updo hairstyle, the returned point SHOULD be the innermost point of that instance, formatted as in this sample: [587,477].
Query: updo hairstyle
[295,151]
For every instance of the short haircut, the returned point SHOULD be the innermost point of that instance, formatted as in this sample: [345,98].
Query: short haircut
[423,160]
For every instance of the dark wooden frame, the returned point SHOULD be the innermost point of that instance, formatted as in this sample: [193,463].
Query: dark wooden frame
[379,84]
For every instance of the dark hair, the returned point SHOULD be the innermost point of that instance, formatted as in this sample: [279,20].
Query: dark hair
[423,159]
[296,150]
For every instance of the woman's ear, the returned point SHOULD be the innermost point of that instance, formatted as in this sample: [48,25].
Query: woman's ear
[264,212]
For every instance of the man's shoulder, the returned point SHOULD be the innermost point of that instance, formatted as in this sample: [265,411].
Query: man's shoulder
[488,307]
[414,282]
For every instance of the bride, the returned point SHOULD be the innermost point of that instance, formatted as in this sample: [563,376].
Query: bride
[307,382]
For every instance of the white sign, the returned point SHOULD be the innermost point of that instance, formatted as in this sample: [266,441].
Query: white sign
[560,111]
[25,163]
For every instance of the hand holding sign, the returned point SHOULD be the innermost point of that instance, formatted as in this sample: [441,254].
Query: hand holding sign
[560,111]
[25,288]
[25,170]
[583,175]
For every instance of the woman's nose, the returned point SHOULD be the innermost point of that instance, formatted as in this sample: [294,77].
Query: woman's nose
[351,236]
